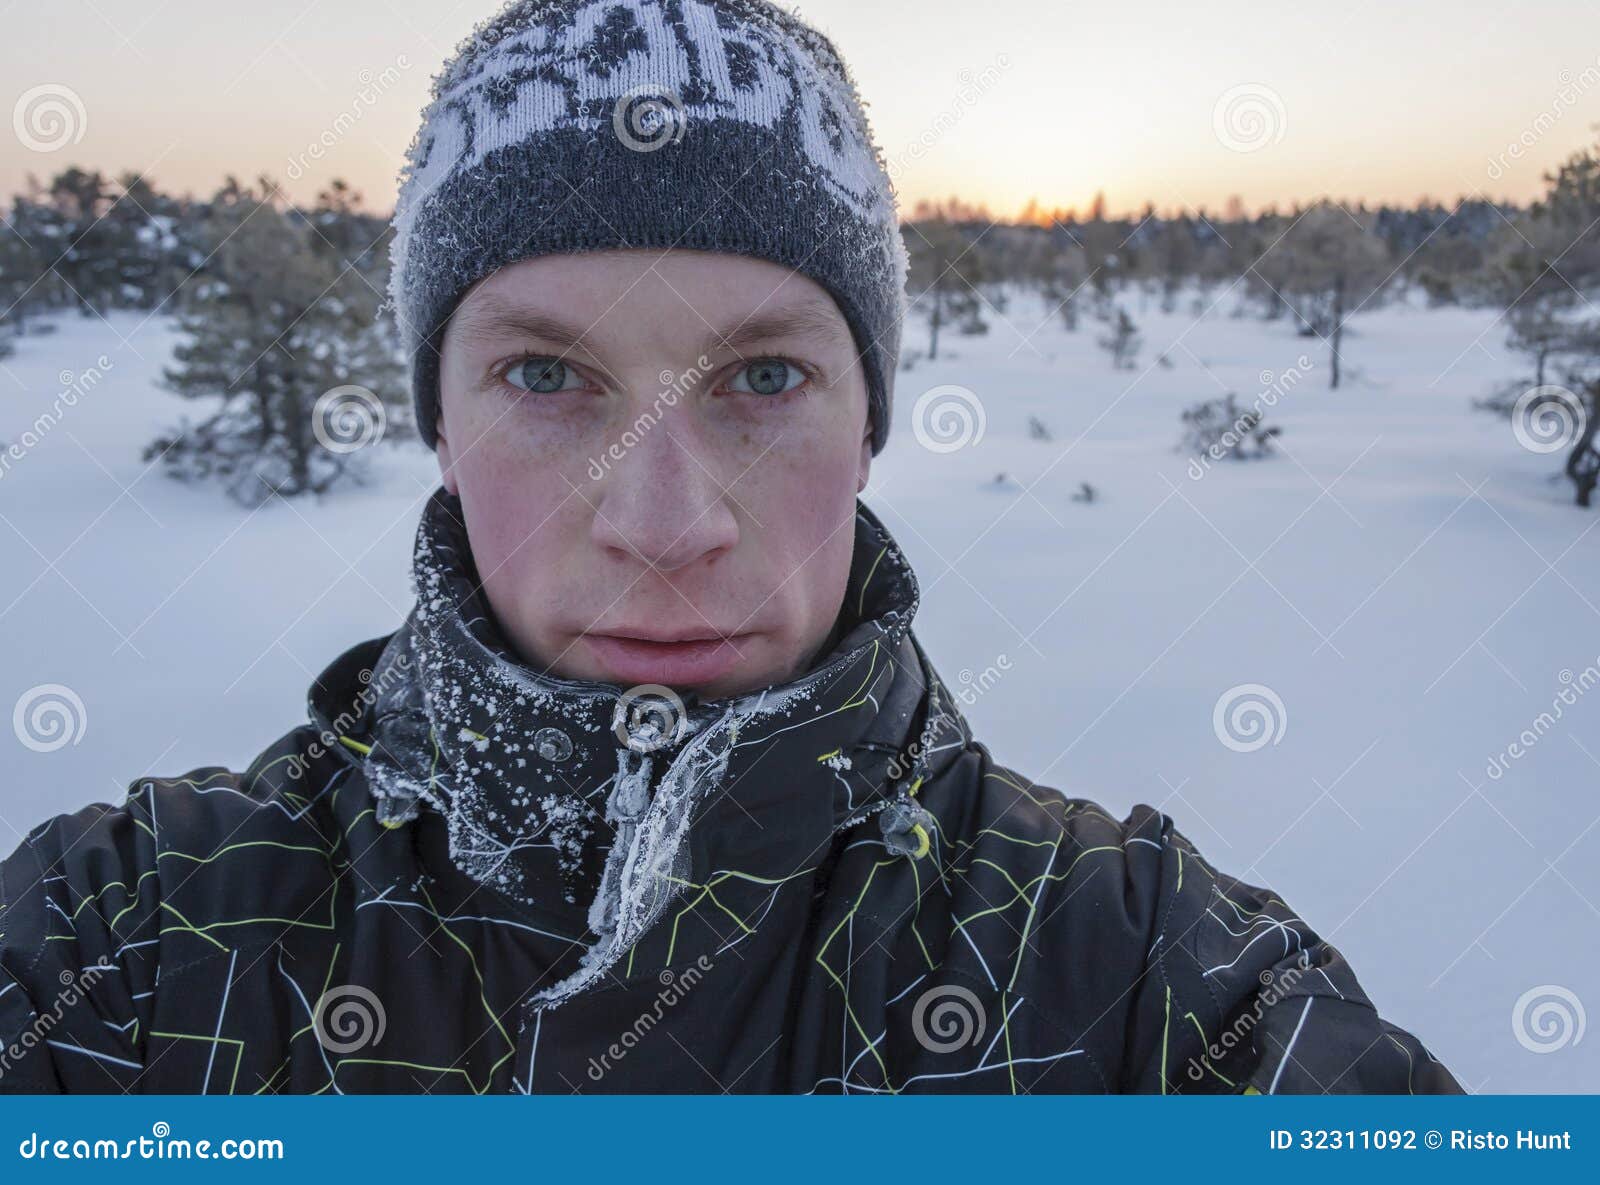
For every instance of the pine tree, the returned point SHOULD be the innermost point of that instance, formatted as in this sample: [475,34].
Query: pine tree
[87,260]
[1123,340]
[285,347]
[1547,271]
[19,275]
[946,270]
[1327,266]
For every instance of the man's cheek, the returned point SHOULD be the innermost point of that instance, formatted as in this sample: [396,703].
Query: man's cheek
[516,501]
[816,489]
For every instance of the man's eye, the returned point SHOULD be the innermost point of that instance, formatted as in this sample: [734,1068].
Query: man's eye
[543,376]
[767,376]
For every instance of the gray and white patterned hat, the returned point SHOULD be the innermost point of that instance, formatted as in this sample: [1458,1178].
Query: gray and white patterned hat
[712,125]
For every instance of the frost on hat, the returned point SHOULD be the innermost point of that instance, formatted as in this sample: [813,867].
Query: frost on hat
[712,125]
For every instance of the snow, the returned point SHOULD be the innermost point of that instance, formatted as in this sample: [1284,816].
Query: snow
[1403,578]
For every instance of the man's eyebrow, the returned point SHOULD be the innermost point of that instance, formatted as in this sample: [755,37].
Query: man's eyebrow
[810,319]
[492,318]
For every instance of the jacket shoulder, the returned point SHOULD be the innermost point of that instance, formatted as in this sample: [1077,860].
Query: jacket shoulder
[1202,981]
[178,863]
[100,906]
[1061,881]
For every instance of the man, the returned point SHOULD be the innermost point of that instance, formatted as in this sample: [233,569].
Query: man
[655,790]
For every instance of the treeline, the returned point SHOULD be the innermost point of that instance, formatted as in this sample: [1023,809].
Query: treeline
[282,304]
[285,351]
[1317,266]
[92,243]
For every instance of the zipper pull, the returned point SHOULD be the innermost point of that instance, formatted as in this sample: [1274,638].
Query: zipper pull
[908,828]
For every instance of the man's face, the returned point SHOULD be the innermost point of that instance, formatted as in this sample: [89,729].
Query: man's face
[658,458]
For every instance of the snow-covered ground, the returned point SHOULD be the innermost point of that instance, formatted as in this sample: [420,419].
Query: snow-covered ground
[1403,579]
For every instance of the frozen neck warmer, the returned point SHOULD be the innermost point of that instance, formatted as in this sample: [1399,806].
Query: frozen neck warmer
[558,792]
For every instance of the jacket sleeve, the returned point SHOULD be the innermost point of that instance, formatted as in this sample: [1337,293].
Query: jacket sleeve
[79,922]
[1242,995]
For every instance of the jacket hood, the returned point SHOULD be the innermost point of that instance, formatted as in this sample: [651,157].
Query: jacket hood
[599,804]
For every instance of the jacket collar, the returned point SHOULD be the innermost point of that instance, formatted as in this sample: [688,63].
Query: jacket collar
[539,778]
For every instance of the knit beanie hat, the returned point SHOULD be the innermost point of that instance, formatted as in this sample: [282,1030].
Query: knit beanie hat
[712,125]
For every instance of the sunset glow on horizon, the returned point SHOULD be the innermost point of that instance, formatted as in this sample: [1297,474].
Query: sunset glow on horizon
[1180,106]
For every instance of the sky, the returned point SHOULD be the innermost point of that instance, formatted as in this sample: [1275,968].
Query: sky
[1180,104]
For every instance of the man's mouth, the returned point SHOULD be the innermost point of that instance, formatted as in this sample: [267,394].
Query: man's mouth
[677,661]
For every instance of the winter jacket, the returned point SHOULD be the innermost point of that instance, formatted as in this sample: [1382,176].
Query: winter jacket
[464,875]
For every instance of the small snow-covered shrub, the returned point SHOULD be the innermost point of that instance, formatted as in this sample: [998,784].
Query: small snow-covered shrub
[1219,429]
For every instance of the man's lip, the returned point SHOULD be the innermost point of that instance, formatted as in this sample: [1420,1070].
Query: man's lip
[682,662]
[663,639]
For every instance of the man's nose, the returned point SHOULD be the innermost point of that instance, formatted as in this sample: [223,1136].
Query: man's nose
[663,502]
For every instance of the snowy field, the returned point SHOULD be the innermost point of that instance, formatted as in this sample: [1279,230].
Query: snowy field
[1403,578]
